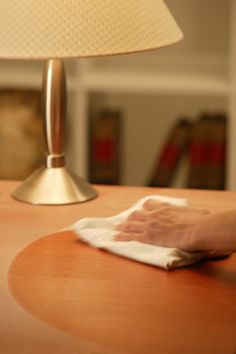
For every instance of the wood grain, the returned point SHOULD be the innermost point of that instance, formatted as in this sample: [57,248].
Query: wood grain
[86,301]
[126,305]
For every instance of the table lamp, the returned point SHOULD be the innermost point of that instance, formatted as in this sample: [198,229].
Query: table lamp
[54,30]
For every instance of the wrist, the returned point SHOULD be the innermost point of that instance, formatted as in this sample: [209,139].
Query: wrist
[194,239]
[199,239]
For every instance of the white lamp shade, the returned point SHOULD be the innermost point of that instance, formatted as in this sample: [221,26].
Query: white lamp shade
[42,29]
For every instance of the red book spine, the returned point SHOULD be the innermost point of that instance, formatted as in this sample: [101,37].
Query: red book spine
[216,158]
[169,157]
[104,150]
[104,147]
[198,153]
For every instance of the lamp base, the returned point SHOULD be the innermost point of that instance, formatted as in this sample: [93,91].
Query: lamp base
[54,186]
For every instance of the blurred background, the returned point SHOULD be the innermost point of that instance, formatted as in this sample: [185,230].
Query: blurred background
[163,118]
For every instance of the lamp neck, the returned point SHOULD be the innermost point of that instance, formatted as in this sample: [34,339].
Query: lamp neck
[54,111]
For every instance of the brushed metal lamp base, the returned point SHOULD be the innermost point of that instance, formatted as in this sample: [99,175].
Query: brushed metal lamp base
[54,186]
[53,183]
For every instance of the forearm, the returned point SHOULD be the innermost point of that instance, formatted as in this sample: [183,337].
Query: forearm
[216,232]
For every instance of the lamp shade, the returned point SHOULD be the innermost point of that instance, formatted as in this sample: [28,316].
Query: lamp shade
[42,29]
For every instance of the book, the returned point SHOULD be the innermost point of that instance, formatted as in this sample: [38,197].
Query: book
[174,147]
[104,146]
[198,151]
[207,153]
[216,153]
[21,133]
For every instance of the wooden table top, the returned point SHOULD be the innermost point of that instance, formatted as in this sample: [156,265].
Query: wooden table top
[58,295]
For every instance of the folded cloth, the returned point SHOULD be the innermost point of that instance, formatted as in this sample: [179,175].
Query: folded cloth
[100,232]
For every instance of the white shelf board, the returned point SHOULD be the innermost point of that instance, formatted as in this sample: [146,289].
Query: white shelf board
[158,83]
[123,81]
[29,78]
[18,79]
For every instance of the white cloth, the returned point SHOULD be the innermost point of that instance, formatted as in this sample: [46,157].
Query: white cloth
[100,232]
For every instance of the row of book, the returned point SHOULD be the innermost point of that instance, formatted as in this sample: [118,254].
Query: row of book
[202,145]
[193,149]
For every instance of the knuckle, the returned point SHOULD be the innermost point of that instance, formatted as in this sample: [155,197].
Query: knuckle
[134,215]
[156,214]
[149,235]
[167,208]
[152,203]
[164,204]
[128,226]
[148,203]
[150,225]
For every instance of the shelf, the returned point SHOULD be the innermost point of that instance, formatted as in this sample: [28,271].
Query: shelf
[20,78]
[121,80]
[158,83]
[20,75]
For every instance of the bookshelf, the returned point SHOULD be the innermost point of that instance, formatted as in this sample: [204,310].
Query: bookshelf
[158,83]
[153,89]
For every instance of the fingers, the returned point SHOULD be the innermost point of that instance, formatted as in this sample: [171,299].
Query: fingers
[126,236]
[152,204]
[139,215]
[134,226]
[130,231]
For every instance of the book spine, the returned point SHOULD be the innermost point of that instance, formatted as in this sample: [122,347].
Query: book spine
[169,157]
[198,152]
[104,149]
[216,159]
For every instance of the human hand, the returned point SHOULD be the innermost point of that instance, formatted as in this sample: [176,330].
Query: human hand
[162,224]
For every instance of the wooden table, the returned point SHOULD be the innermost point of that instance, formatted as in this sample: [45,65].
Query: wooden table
[58,295]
